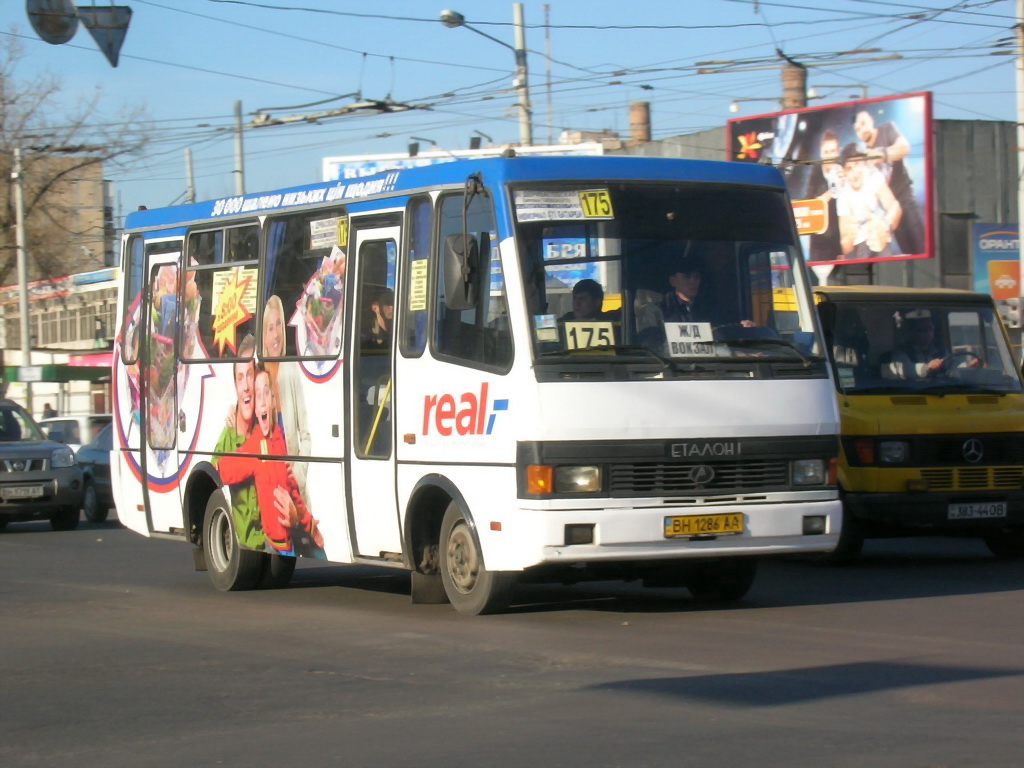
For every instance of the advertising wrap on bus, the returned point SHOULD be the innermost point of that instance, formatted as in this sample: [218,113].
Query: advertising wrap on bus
[550,368]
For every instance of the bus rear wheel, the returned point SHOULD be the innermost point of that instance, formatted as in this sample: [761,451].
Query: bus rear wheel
[230,566]
[470,587]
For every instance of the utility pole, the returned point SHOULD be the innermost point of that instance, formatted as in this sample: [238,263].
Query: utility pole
[522,86]
[547,69]
[453,19]
[190,188]
[17,177]
[1020,153]
[239,155]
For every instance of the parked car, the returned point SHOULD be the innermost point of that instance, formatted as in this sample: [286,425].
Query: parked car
[94,459]
[75,430]
[38,477]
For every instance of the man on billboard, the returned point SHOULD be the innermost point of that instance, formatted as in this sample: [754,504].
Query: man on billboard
[825,184]
[869,212]
[885,147]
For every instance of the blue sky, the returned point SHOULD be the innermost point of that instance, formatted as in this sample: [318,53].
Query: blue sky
[188,61]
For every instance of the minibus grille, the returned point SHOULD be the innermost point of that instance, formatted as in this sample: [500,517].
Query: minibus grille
[949,450]
[660,478]
[973,478]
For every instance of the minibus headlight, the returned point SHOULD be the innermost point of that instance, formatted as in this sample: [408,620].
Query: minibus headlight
[893,451]
[808,472]
[577,479]
[62,457]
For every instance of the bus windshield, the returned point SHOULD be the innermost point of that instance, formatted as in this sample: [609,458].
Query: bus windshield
[891,348]
[682,276]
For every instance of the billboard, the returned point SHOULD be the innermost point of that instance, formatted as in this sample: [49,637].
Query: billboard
[859,174]
[995,252]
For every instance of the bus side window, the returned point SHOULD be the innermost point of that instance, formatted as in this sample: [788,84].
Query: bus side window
[481,335]
[413,305]
[305,278]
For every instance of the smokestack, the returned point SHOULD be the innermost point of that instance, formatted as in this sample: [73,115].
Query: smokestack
[794,86]
[639,122]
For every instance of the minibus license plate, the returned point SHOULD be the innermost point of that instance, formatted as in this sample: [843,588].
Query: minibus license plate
[703,525]
[977,510]
[22,492]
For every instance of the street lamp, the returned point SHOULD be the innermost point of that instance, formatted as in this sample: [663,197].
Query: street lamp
[453,19]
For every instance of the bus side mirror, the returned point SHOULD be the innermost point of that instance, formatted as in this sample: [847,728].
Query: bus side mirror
[461,271]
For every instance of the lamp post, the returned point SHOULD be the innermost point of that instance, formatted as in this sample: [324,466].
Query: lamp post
[22,245]
[452,19]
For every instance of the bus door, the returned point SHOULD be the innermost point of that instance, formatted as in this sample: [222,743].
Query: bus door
[373,504]
[158,382]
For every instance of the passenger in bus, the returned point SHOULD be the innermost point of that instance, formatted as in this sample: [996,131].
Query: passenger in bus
[587,300]
[286,380]
[287,523]
[238,424]
[379,329]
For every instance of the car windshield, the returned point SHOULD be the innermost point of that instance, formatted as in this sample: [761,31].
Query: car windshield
[678,279]
[923,348]
[16,424]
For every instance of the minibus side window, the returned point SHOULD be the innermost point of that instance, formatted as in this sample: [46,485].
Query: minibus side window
[480,336]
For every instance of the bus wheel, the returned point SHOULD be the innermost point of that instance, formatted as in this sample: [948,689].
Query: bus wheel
[277,570]
[471,588]
[723,581]
[91,505]
[66,519]
[1005,543]
[230,566]
[851,541]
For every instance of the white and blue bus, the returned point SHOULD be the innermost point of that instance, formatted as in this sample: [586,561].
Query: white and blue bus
[400,371]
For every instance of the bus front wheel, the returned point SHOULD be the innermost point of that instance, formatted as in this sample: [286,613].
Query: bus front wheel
[723,581]
[470,587]
[230,566]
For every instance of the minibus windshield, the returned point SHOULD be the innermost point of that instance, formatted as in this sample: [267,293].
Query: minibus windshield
[922,348]
[688,278]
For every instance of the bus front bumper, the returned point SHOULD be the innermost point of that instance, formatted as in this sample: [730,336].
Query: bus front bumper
[639,534]
[960,511]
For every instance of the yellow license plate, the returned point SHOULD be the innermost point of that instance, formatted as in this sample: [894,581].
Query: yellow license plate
[703,525]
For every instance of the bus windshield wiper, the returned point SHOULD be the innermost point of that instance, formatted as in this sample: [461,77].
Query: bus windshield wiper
[610,348]
[769,341]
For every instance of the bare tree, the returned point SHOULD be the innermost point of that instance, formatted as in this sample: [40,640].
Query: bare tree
[64,154]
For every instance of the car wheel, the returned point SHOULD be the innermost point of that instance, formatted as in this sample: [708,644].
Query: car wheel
[66,519]
[1005,543]
[470,587]
[231,567]
[723,581]
[3,523]
[91,505]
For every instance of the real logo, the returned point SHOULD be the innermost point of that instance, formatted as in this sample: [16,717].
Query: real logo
[465,414]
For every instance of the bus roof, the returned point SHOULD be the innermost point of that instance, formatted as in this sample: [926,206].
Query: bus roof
[495,171]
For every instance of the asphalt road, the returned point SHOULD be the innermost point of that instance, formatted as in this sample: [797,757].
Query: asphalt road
[116,653]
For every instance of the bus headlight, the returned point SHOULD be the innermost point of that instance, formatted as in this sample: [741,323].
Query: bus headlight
[893,451]
[808,472]
[577,479]
[62,457]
